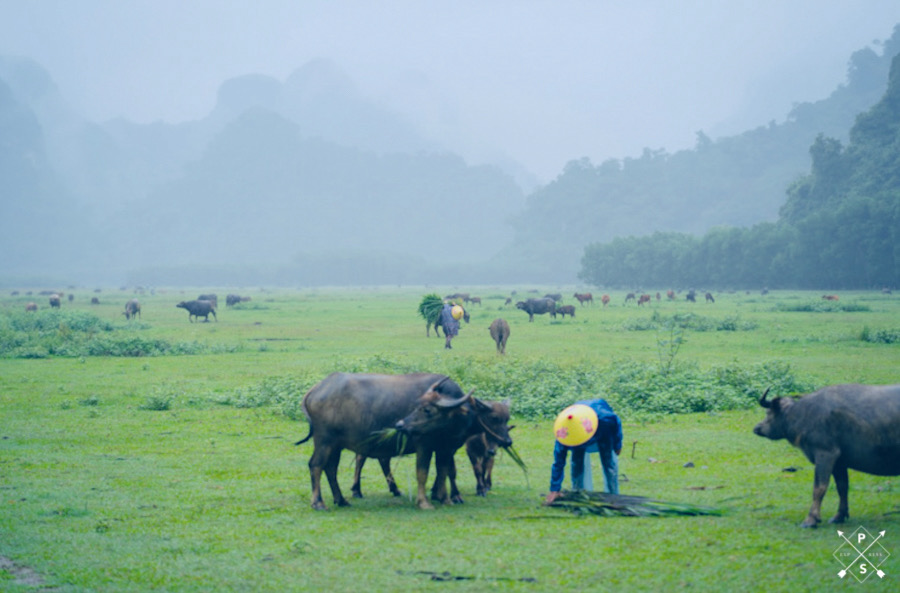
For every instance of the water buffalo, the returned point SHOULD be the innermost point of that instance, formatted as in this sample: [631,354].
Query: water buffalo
[481,450]
[644,298]
[132,309]
[353,411]
[839,427]
[211,297]
[566,310]
[234,299]
[199,309]
[604,299]
[451,424]
[584,297]
[54,301]
[537,307]
[710,298]
[32,306]
[499,333]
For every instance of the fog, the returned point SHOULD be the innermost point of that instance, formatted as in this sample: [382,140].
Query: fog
[539,83]
[156,101]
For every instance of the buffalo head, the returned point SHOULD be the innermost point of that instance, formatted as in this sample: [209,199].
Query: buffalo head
[435,412]
[775,425]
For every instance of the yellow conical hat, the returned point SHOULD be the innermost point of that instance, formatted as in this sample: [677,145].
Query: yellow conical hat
[457,312]
[575,425]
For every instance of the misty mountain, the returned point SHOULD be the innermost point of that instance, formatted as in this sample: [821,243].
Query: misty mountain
[39,222]
[735,181]
[264,192]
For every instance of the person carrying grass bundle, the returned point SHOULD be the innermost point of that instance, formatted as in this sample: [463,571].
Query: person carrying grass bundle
[450,316]
[584,427]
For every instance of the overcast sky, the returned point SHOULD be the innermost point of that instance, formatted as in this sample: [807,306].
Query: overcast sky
[540,82]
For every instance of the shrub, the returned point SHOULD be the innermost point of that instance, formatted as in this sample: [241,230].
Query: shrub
[881,336]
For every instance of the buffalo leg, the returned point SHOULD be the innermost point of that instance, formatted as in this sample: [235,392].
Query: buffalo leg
[331,469]
[488,468]
[356,489]
[824,466]
[478,469]
[317,462]
[423,460]
[842,483]
[388,476]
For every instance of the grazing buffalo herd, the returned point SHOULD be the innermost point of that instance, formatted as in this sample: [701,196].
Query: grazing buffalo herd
[838,428]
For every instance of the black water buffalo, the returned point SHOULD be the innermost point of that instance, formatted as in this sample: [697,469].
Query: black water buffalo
[481,450]
[132,309]
[499,333]
[233,299]
[211,297]
[839,427]
[566,310]
[54,301]
[450,424]
[537,307]
[360,412]
[198,309]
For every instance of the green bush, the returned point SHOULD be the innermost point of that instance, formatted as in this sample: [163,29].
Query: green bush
[881,336]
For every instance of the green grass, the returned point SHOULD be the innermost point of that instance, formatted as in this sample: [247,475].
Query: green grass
[179,473]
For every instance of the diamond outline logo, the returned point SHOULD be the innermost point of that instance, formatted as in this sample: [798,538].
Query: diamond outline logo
[872,555]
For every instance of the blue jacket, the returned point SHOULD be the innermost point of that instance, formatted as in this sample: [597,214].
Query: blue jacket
[607,438]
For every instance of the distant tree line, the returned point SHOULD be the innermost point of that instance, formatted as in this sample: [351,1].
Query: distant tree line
[839,228]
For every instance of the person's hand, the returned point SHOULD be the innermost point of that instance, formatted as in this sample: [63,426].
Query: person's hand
[551,497]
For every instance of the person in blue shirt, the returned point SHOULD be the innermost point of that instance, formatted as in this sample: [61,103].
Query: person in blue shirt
[449,323]
[586,426]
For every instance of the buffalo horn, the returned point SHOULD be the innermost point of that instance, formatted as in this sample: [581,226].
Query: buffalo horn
[454,403]
[763,402]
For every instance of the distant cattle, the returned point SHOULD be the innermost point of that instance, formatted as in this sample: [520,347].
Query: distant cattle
[830,297]
[555,296]
[508,301]
[644,298]
[670,294]
[537,307]
[474,300]
[630,297]
[54,301]
[604,299]
[95,301]
[198,309]
[886,290]
[71,297]
[457,296]
[691,296]
[31,307]
[132,309]
[500,333]
[658,297]
[584,297]
[566,310]
[212,298]
[234,299]
[709,298]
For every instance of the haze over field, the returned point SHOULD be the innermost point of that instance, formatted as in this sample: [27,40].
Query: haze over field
[166,95]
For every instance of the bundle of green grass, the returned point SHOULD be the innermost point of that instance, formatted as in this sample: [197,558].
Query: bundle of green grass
[430,307]
[584,502]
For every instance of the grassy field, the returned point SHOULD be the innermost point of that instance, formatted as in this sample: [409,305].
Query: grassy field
[170,473]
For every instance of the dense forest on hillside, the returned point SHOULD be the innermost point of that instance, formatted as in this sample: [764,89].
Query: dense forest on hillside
[839,228]
[735,181]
